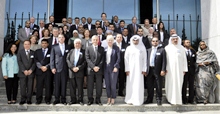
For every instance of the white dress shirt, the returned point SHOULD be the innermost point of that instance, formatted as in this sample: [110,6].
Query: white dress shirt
[54,40]
[45,51]
[62,48]
[188,50]
[161,36]
[152,56]
[108,55]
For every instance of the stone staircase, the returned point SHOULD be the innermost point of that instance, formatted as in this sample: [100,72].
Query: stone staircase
[120,105]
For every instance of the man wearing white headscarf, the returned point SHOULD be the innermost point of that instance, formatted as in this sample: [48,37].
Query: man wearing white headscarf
[135,68]
[176,68]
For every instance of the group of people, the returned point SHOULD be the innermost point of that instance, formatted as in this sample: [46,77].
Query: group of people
[107,55]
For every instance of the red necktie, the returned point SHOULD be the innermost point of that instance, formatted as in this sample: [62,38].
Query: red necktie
[99,43]
[55,41]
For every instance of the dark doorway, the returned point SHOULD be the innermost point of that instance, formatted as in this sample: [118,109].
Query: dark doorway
[146,10]
[60,10]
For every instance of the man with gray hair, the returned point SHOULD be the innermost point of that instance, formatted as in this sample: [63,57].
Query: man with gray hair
[133,27]
[54,39]
[94,57]
[33,26]
[76,63]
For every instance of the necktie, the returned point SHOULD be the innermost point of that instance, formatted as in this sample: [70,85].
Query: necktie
[96,52]
[99,43]
[28,55]
[188,54]
[55,41]
[76,57]
[134,27]
[43,52]
[27,32]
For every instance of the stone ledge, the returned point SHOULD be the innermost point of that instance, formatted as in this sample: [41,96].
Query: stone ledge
[105,108]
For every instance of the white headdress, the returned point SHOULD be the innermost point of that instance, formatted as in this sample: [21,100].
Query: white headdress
[175,36]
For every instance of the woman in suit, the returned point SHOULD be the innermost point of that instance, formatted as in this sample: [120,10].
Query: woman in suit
[162,34]
[10,72]
[111,66]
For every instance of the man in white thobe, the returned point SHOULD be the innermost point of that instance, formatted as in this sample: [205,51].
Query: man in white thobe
[135,68]
[176,68]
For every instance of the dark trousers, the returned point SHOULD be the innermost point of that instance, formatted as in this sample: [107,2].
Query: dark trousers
[121,77]
[26,88]
[188,79]
[60,81]
[110,82]
[151,78]
[76,82]
[90,86]
[44,80]
[11,85]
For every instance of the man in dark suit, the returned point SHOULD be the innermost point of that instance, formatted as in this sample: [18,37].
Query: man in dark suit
[100,35]
[122,75]
[94,58]
[103,16]
[121,27]
[75,26]
[89,24]
[133,27]
[156,68]
[189,77]
[126,37]
[43,72]
[155,25]
[33,26]
[26,69]
[76,63]
[54,39]
[59,68]
[145,40]
[51,19]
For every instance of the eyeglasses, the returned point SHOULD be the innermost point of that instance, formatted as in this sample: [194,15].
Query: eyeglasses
[154,40]
[63,21]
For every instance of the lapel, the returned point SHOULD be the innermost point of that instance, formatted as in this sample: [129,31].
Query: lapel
[41,54]
[113,52]
[149,54]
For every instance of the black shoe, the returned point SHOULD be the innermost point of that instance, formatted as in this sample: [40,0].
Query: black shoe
[13,102]
[38,102]
[184,102]
[72,102]
[89,103]
[192,102]
[48,103]
[22,102]
[121,94]
[147,102]
[159,103]
[29,102]
[64,103]
[56,102]
[99,103]
[81,103]
[34,93]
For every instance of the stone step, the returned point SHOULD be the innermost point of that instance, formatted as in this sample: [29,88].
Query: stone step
[119,99]
[115,108]
[3,91]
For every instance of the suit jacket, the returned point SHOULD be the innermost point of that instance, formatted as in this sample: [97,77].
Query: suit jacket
[92,61]
[146,42]
[131,30]
[191,61]
[24,63]
[165,38]
[22,36]
[57,60]
[155,29]
[87,27]
[35,27]
[160,60]
[118,30]
[81,63]
[115,58]
[83,42]
[103,37]
[122,54]
[41,60]
[128,39]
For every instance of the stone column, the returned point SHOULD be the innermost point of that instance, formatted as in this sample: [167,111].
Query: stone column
[210,18]
[2,22]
